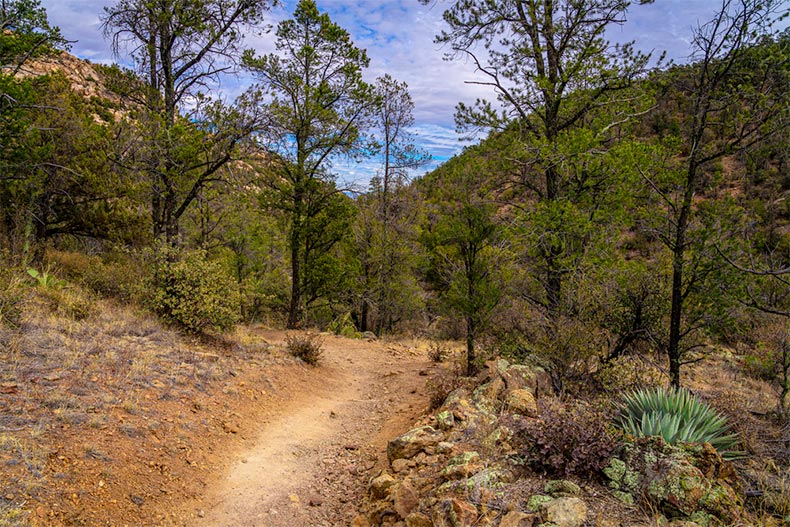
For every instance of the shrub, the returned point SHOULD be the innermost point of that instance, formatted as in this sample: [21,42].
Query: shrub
[676,415]
[344,326]
[441,385]
[305,346]
[193,292]
[570,439]
[69,300]
[12,295]
[117,274]
[438,352]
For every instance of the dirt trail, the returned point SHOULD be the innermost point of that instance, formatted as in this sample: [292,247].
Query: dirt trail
[313,457]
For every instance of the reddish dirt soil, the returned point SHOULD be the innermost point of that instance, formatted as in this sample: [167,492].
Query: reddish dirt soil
[116,421]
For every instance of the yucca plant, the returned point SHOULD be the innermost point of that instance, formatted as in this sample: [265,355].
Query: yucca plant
[676,415]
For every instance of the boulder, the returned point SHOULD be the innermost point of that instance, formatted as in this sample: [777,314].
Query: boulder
[680,481]
[527,376]
[564,512]
[522,402]
[413,442]
[490,394]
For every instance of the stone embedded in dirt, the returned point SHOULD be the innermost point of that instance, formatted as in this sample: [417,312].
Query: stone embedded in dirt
[522,401]
[413,442]
[405,498]
[454,513]
[564,512]
[137,500]
[417,519]
[401,465]
[380,485]
[518,519]
[230,428]
[562,487]
[444,447]
[360,521]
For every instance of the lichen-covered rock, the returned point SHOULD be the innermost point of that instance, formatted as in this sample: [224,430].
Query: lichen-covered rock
[380,485]
[413,442]
[489,395]
[522,401]
[527,376]
[445,420]
[680,481]
[492,478]
[562,487]
[462,466]
[454,513]
[537,501]
[564,512]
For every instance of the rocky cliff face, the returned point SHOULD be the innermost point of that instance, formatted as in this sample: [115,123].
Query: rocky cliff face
[86,79]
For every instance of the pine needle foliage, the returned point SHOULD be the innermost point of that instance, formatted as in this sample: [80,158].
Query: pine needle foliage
[677,415]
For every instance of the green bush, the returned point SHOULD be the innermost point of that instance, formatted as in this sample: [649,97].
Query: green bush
[677,416]
[306,347]
[191,291]
[570,439]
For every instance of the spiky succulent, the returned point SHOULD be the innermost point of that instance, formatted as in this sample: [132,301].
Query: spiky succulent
[676,415]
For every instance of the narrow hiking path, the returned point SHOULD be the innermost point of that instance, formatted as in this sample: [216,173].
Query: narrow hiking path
[312,459]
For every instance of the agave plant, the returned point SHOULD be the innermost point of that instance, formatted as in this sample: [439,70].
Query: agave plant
[676,415]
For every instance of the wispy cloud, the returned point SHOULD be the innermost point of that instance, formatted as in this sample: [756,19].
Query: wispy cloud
[399,38]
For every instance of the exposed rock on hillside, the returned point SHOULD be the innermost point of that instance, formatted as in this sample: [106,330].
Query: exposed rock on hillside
[86,79]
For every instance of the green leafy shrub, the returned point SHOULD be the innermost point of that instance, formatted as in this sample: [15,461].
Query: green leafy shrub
[305,346]
[570,439]
[193,292]
[676,415]
[344,326]
[45,279]
[68,300]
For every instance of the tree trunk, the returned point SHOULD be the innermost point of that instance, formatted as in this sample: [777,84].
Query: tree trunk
[471,329]
[678,264]
[295,308]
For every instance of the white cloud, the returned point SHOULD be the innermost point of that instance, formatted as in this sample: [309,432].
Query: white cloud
[398,36]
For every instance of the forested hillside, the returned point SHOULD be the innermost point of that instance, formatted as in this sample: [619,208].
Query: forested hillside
[623,219]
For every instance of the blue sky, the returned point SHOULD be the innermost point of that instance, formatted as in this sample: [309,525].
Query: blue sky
[398,36]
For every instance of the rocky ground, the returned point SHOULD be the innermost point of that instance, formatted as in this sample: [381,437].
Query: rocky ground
[113,420]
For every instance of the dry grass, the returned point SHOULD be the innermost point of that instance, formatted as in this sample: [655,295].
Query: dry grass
[96,398]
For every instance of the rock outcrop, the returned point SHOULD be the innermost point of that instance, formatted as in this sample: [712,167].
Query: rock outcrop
[464,467]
